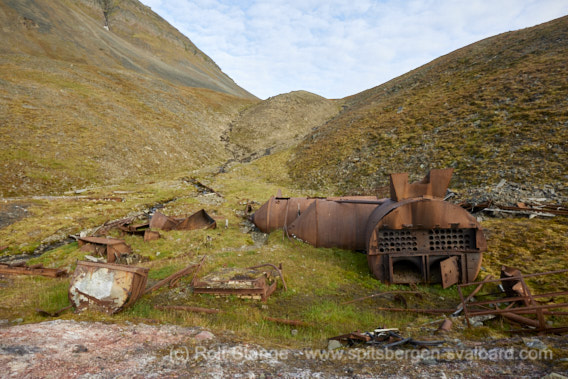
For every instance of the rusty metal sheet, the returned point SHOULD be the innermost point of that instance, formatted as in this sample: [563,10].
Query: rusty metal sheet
[450,271]
[247,283]
[434,184]
[512,287]
[106,287]
[198,220]
[109,248]
[333,224]
[150,235]
[162,222]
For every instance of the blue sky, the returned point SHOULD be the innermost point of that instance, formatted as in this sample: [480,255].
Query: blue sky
[337,48]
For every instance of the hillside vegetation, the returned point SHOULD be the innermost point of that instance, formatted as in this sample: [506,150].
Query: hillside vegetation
[493,110]
[278,122]
[80,105]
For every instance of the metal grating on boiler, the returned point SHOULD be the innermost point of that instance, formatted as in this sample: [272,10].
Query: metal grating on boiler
[451,239]
[397,240]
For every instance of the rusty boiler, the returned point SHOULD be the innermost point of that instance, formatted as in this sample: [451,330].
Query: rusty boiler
[418,237]
[414,236]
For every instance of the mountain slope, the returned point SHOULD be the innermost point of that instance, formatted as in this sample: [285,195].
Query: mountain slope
[278,122]
[80,105]
[139,40]
[496,109]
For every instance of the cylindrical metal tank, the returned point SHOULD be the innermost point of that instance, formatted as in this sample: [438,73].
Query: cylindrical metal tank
[335,223]
[281,212]
[278,212]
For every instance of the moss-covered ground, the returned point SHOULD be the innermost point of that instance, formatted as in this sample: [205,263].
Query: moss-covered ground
[319,280]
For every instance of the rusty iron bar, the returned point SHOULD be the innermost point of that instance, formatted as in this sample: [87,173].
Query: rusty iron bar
[188,309]
[521,320]
[515,277]
[25,270]
[415,310]
[518,298]
[532,302]
[464,304]
[529,310]
[165,281]
[531,209]
[472,294]
[287,322]
[173,278]
[278,270]
[380,294]
[197,270]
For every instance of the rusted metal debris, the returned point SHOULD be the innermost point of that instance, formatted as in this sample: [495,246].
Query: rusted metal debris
[134,229]
[105,286]
[172,280]
[110,248]
[415,236]
[188,309]
[198,220]
[417,310]
[434,184]
[532,210]
[53,314]
[286,321]
[109,225]
[246,283]
[459,309]
[384,338]
[278,270]
[22,269]
[151,235]
[143,230]
[513,287]
[382,294]
[450,271]
[517,299]
[445,326]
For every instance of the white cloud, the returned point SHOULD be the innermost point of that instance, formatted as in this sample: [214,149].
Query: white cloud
[337,48]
